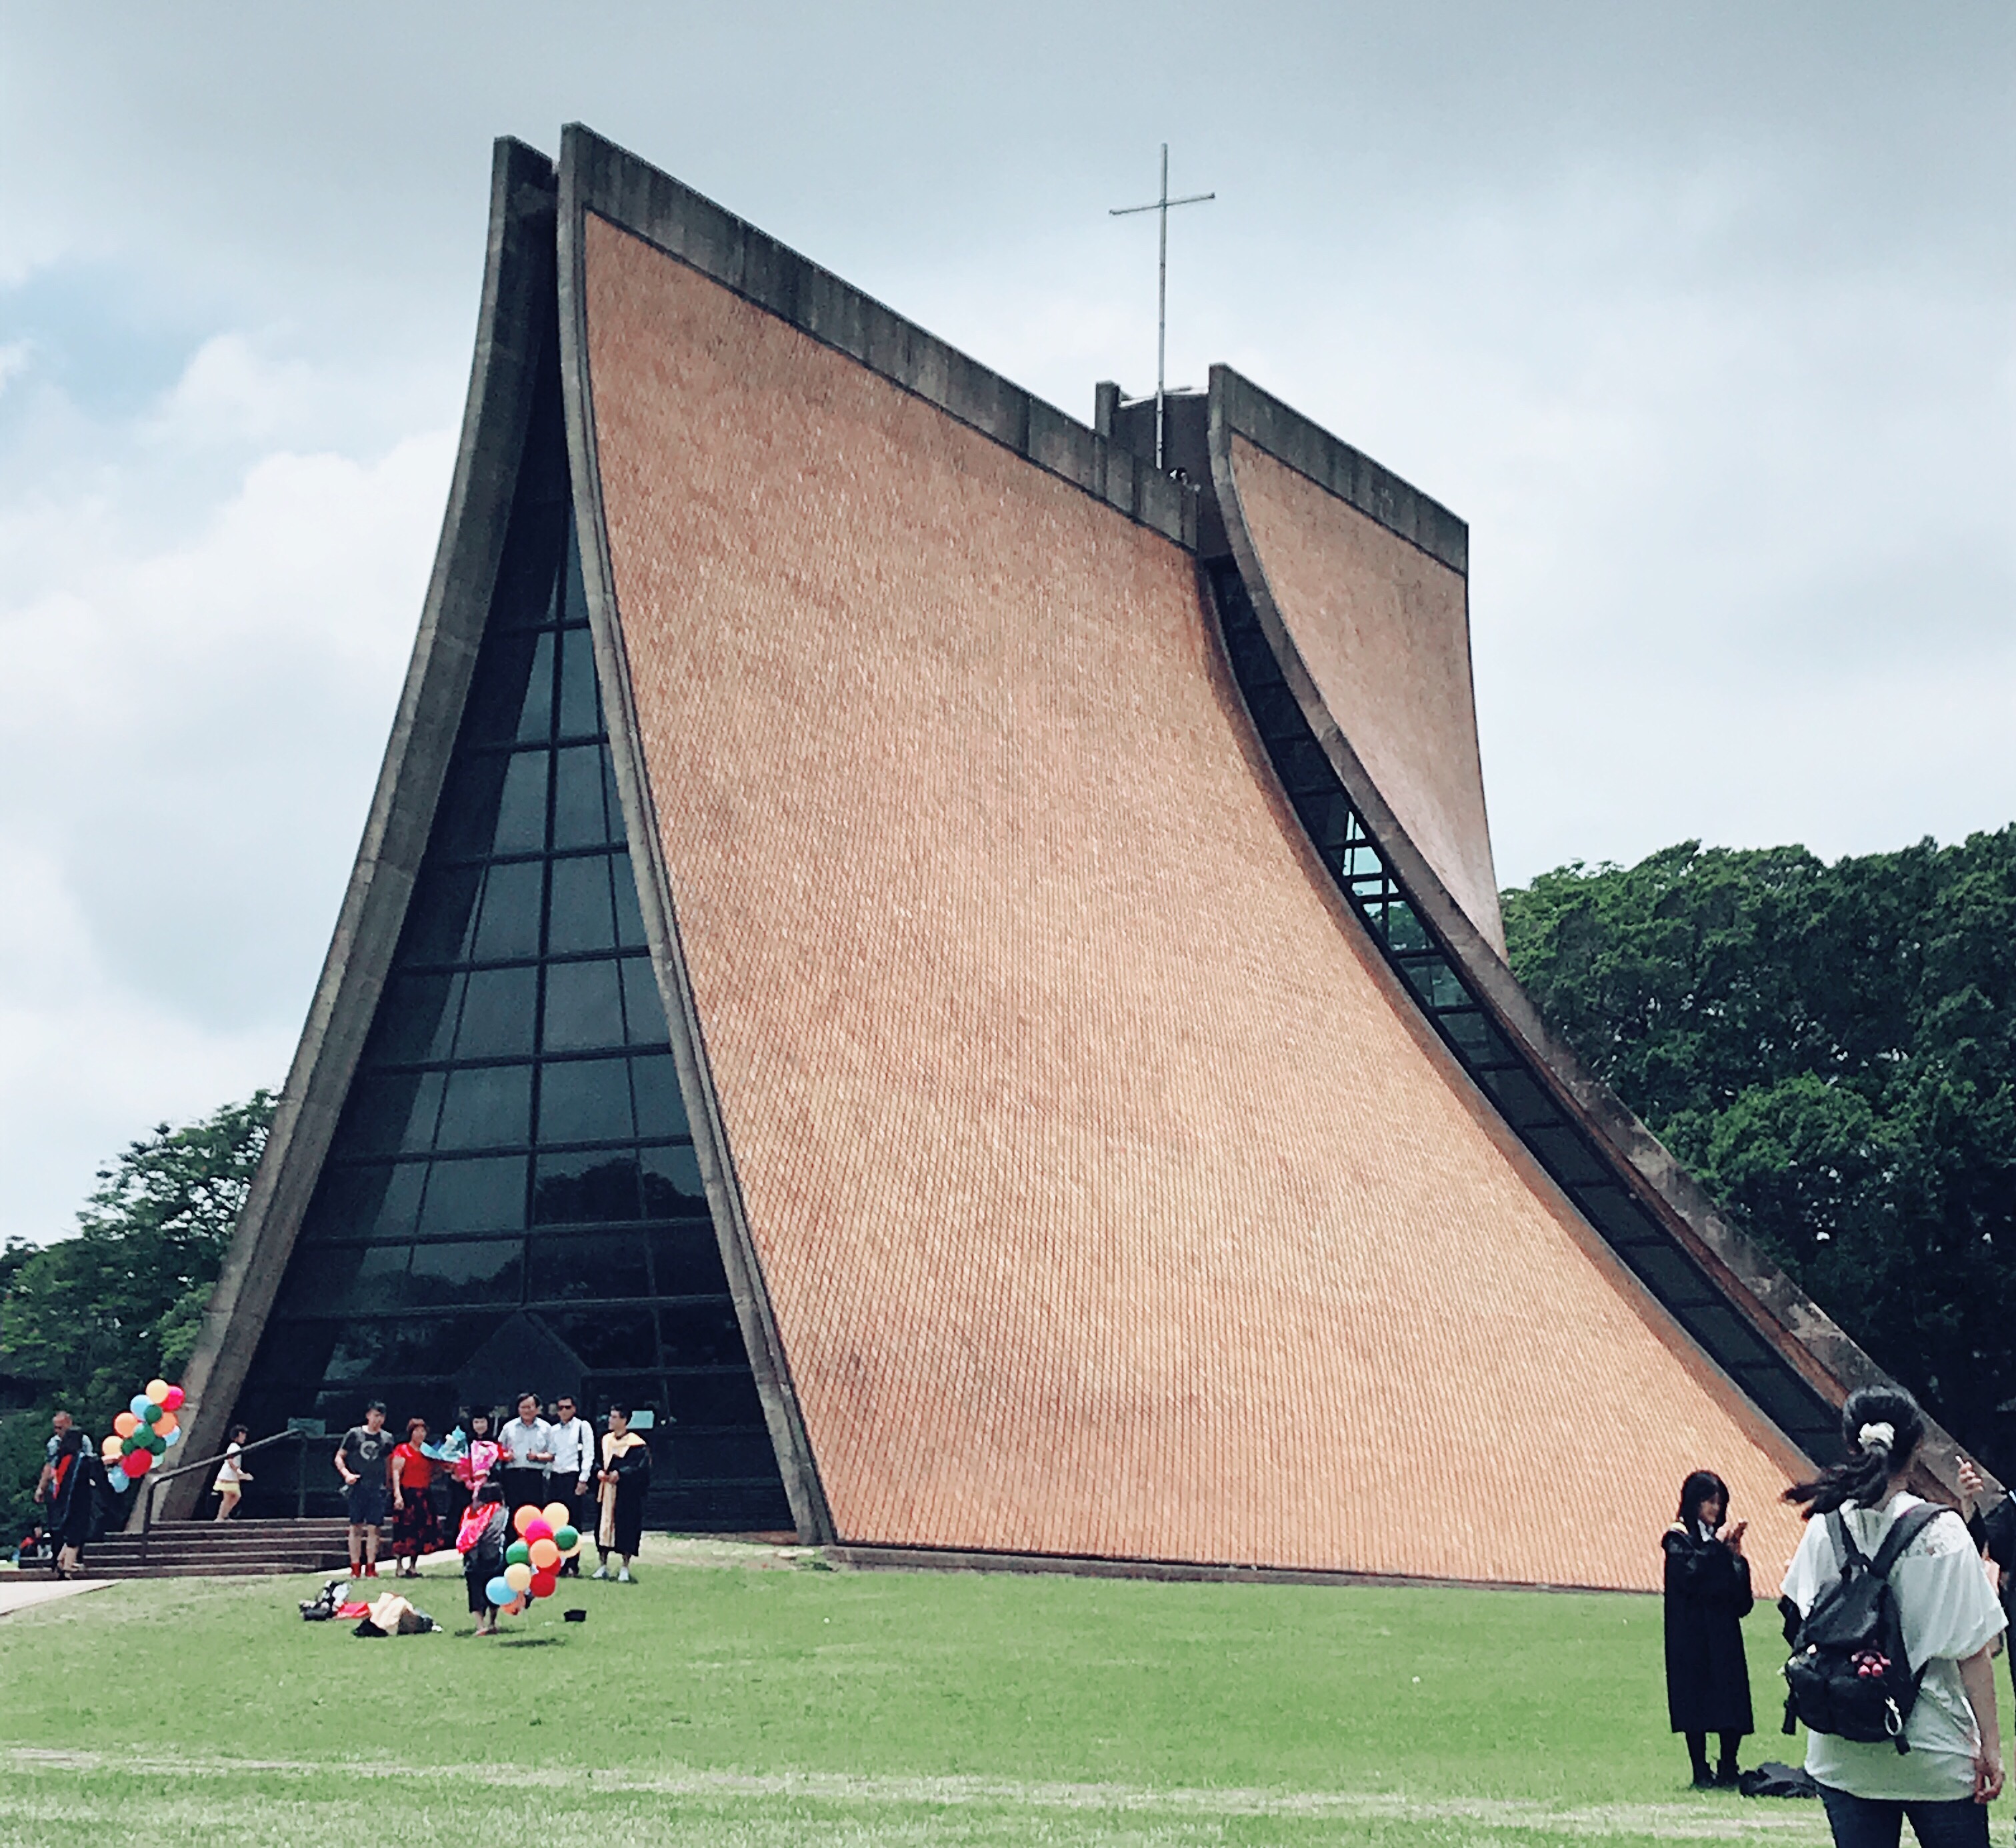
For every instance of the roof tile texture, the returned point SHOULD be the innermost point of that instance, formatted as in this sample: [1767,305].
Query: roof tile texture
[1384,631]
[1110,1199]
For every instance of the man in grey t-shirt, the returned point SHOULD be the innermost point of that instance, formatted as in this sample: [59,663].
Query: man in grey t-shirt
[360,1461]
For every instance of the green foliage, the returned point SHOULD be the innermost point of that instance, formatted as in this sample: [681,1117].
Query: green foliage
[1832,1051]
[88,1320]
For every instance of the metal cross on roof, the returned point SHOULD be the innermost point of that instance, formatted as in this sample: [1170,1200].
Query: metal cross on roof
[1161,207]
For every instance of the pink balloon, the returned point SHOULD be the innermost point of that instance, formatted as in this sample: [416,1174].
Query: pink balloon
[173,1400]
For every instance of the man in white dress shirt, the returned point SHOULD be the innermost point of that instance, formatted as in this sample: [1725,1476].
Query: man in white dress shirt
[526,1448]
[573,1463]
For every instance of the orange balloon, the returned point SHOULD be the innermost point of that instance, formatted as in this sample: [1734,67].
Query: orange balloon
[165,1423]
[545,1555]
[525,1517]
[125,1423]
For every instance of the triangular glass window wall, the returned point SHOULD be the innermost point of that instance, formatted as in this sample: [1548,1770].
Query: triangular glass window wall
[511,1201]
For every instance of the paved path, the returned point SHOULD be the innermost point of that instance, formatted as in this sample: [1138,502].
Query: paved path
[18,1594]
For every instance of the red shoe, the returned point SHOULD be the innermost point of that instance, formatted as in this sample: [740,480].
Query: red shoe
[371,1571]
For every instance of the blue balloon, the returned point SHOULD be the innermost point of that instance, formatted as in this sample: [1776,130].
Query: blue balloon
[138,1405]
[499,1590]
[120,1480]
[175,1437]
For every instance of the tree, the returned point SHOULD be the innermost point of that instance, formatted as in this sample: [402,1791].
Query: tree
[89,1318]
[1832,1051]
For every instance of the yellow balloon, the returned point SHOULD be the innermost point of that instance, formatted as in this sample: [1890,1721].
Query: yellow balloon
[157,1390]
[518,1577]
[558,1515]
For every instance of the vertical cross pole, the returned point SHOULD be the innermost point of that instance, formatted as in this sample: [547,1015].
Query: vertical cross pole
[1160,206]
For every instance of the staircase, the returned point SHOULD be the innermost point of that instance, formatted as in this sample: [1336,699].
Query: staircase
[215,1549]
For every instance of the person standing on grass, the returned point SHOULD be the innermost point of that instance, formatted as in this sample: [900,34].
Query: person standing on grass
[360,1461]
[624,1475]
[1994,1533]
[232,1475]
[485,1533]
[416,1528]
[1707,1597]
[74,1477]
[59,1424]
[526,1442]
[574,1463]
[1951,1621]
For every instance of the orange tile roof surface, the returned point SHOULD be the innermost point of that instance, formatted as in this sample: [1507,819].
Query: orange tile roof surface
[1384,632]
[1109,1198]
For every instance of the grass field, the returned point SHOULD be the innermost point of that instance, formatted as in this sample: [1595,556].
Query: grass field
[716,1703]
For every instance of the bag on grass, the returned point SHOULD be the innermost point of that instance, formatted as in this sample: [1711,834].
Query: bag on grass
[1773,1779]
[1847,1674]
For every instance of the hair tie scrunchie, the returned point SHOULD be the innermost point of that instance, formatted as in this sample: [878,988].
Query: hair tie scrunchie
[1878,1439]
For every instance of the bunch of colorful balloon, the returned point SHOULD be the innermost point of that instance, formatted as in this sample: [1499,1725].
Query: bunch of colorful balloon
[532,1562]
[149,1427]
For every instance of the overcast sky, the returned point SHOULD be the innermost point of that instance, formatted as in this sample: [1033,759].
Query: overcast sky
[1701,315]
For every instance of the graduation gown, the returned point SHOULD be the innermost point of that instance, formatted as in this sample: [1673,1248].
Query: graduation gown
[1707,1597]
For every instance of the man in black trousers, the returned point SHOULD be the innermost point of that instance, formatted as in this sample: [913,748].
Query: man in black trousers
[573,1441]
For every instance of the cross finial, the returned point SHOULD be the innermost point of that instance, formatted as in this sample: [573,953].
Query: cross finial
[1161,206]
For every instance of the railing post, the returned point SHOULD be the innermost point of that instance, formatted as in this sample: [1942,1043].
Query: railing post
[301,1476]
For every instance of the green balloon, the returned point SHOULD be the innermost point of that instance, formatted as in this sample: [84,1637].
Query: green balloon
[132,1441]
[156,1444]
[517,1553]
[566,1539]
[154,1413]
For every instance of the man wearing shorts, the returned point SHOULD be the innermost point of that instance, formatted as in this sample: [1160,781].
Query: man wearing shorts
[360,1461]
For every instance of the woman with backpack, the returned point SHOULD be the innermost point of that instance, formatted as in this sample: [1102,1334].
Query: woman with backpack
[1707,1597]
[1878,1751]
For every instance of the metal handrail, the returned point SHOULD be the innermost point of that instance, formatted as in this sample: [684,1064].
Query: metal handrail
[154,1478]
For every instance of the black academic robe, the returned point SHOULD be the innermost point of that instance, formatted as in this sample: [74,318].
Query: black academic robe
[1707,1597]
[1995,1534]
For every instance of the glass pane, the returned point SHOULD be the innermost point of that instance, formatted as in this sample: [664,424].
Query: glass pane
[416,1019]
[583,1007]
[441,920]
[661,1110]
[685,1260]
[727,1397]
[509,926]
[578,820]
[610,1337]
[701,1334]
[611,800]
[392,1116]
[347,1280]
[379,1202]
[521,813]
[629,919]
[607,1266]
[672,1187]
[487,1270]
[511,696]
[465,821]
[497,1012]
[583,1188]
[580,701]
[581,918]
[487,1107]
[487,1195]
[584,1101]
[642,1005]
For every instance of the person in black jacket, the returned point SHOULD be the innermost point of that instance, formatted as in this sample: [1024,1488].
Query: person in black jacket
[1707,1597]
[1994,1533]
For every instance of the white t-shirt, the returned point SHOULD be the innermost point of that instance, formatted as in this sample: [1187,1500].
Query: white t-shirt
[574,1448]
[1948,1613]
[520,1439]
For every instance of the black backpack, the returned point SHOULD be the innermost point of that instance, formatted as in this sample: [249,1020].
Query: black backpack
[1847,1674]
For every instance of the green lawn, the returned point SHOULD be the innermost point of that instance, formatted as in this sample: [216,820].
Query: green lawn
[713,1703]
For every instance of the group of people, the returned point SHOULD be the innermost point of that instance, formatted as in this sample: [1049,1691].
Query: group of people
[1942,1762]
[432,1493]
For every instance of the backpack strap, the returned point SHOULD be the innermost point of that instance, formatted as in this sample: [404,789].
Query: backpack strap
[1846,1552]
[1903,1530]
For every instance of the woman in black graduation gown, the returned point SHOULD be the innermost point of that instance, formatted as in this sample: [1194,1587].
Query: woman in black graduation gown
[1707,1597]
[73,1500]
[624,1476]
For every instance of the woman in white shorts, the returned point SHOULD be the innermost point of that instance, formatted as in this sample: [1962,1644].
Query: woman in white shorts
[233,1476]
